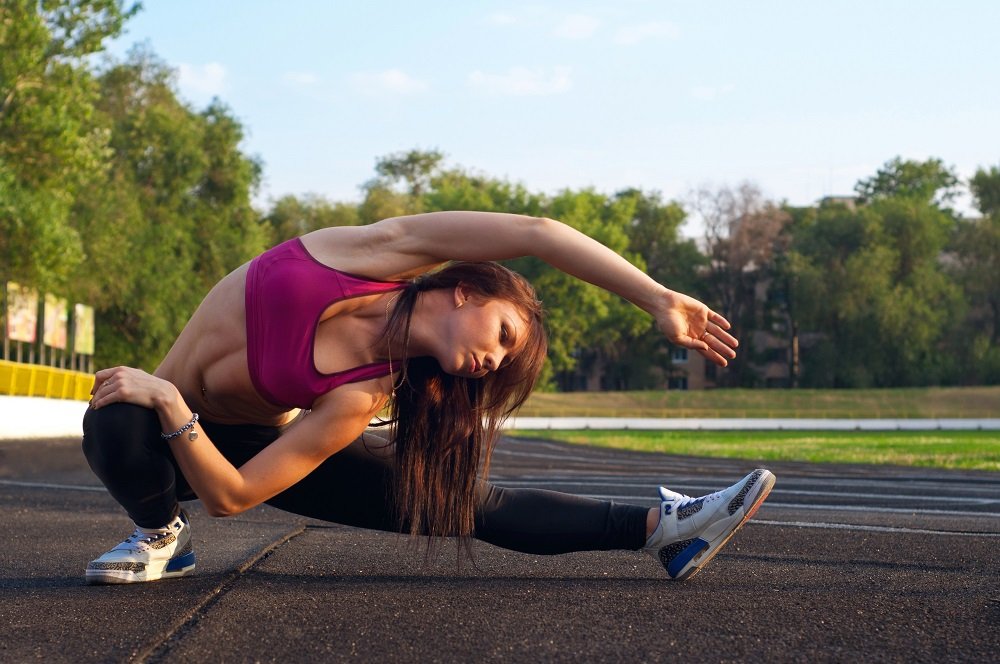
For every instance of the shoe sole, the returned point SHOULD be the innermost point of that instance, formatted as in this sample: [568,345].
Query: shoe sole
[180,566]
[701,552]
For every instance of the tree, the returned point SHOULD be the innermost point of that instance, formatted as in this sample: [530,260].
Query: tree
[975,251]
[51,146]
[654,234]
[871,295]
[383,199]
[743,236]
[415,168]
[985,187]
[177,218]
[922,181]
[291,216]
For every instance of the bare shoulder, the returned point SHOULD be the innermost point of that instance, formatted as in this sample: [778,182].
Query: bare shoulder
[377,251]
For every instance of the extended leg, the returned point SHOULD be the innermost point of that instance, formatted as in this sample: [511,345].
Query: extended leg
[354,487]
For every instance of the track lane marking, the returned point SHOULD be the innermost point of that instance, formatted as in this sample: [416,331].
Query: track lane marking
[513,483]
[50,485]
[877,529]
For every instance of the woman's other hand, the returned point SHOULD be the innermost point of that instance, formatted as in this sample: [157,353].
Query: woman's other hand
[688,323]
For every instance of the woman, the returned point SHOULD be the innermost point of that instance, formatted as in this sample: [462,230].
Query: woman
[267,392]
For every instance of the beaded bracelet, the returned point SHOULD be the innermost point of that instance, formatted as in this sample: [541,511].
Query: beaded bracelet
[191,436]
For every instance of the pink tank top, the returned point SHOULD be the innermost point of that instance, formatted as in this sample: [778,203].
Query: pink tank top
[287,291]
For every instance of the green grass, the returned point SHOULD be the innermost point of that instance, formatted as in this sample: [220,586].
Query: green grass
[926,402]
[970,450]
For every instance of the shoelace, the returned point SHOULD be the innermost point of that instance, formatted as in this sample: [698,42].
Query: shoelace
[140,540]
[683,501]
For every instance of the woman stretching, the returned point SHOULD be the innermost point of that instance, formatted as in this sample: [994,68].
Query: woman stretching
[267,392]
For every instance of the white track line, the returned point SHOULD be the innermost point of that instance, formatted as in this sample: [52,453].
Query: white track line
[49,485]
[561,482]
[876,529]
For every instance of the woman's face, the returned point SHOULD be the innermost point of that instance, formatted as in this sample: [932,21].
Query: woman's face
[480,334]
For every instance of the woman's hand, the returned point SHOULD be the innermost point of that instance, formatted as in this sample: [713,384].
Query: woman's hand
[688,323]
[125,384]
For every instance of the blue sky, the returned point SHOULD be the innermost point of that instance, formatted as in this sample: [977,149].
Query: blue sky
[803,98]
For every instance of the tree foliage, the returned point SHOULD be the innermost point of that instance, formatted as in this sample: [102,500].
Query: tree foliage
[51,146]
[923,181]
[115,193]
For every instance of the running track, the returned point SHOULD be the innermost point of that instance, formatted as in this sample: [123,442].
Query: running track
[842,563]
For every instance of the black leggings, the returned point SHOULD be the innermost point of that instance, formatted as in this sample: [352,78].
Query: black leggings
[353,487]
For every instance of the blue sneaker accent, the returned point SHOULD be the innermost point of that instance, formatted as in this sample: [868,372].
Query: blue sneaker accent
[685,556]
[180,562]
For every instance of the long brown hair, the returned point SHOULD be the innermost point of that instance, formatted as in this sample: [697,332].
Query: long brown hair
[445,426]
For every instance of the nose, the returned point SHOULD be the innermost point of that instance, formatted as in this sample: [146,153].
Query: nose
[492,361]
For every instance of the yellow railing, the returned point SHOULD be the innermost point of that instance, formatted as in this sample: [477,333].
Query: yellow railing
[33,380]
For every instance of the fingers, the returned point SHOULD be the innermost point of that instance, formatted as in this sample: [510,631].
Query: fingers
[106,384]
[103,394]
[716,344]
[719,320]
[718,332]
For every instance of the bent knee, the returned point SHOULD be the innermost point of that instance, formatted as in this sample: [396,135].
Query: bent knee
[116,429]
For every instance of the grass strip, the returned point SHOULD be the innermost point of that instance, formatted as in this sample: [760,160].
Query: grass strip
[890,403]
[968,450]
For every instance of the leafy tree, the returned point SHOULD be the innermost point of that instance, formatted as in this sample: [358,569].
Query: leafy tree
[985,186]
[872,297]
[923,181]
[290,216]
[457,189]
[744,233]
[178,218]
[654,234]
[227,228]
[976,267]
[415,168]
[591,326]
[51,147]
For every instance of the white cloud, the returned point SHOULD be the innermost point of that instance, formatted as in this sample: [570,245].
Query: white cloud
[389,81]
[633,34]
[522,81]
[302,78]
[201,81]
[577,26]
[710,92]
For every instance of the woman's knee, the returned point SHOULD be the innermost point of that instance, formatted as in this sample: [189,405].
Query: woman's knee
[117,431]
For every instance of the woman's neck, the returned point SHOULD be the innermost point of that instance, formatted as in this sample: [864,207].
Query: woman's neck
[428,311]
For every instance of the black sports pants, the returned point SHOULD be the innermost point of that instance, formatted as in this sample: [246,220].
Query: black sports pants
[353,487]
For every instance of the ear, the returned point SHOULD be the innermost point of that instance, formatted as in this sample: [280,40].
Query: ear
[461,295]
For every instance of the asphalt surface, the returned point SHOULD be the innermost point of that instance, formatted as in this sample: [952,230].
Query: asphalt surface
[842,563]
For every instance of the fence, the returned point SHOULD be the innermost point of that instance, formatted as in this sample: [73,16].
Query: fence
[34,380]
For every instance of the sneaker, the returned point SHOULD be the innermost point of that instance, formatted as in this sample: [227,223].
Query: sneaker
[148,554]
[692,530]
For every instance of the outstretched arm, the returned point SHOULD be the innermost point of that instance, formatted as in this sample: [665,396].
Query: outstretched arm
[440,236]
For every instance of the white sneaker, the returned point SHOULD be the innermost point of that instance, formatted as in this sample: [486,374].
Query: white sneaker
[692,530]
[146,555]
